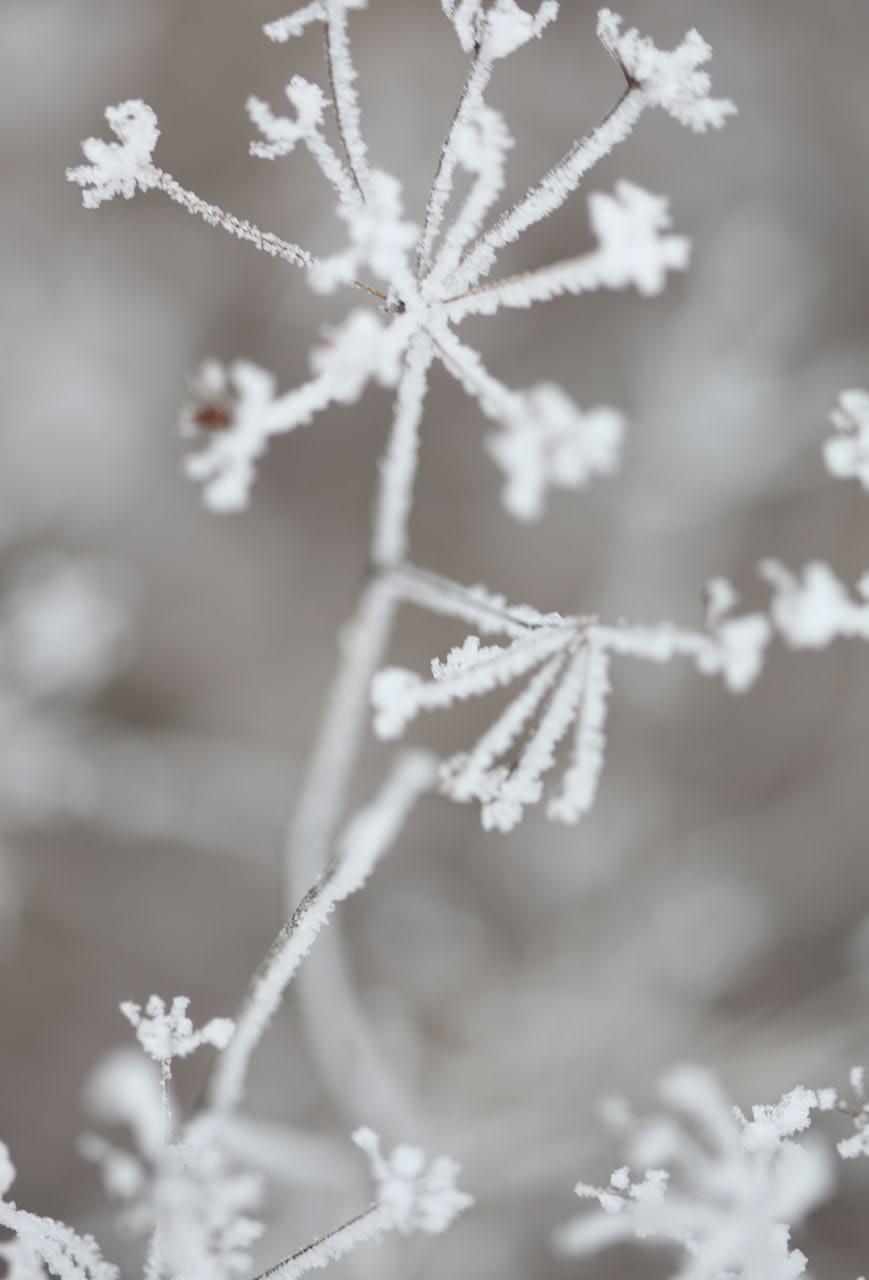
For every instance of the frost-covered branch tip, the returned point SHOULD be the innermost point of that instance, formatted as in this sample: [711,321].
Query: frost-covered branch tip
[846,453]
[633,251]
[671,80]
[725,1190]
[497,28]
[43,1244]
[126,166]
[668,79]
[123,167]
[411,1195]
[165,1034]
[235,410]
[368,838]
[857,1111]
[812,611]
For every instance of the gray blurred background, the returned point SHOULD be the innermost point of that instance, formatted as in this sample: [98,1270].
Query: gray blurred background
[714,907]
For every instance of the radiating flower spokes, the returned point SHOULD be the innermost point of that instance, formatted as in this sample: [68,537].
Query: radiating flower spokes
[543,437]
[563,665]
[725,1190]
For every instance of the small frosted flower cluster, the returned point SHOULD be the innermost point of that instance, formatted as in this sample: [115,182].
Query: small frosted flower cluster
[123,167]
[847,452]
[411,1194]
[672,80]
[190,1197]
[165,1034]
[725,1189]
[500,28]
[563,665]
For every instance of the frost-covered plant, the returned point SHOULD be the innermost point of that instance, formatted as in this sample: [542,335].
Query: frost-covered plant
[41,1245]
[724,1189]
[857,1112]
[847,452]
[567,665]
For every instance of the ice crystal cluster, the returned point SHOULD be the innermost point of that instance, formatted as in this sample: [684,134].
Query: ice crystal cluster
[725,1189]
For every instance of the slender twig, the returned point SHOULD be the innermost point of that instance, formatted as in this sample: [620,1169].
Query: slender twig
[340,71]
[472,95]
[266,241]
[555,186]
[370,1224]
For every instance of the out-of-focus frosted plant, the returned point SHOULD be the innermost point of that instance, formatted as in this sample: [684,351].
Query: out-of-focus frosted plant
[194,1187]
[847,452]
[65,628]
[42,1244]
[725,1189]
[857,1111]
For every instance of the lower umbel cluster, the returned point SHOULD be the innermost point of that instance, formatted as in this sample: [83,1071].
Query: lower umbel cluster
[192,1186]
[726,1190]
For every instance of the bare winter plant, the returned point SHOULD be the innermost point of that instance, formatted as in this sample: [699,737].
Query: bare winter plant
[193,1187]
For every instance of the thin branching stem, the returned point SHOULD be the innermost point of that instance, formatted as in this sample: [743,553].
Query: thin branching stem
[555,187]
[341,75]
[476,83]
[368,1225]
[265,241]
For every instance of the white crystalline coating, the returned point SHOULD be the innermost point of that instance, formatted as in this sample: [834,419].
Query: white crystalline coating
[633,247]
[770,1124]
[463,658]
[813,611]
[725,1191]
[567,665]
[167,1033]
[235,410]
[846,454]
[501,27]
[380,239]
[413,1195]
[284,29]
[721,599]
[369,836]
[552,443]
[41,1245]
[669,79]
[124,167]
[632,225]
[281,133]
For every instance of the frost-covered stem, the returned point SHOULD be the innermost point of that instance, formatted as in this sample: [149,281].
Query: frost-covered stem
[165,1078]
[369,1225]
[555,187]
[476,84]
[573,275]
[496,400]
[311,838]
[398,468]
[441,595]
[266,241]
[153,1268]
[318,813]
[341,77]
